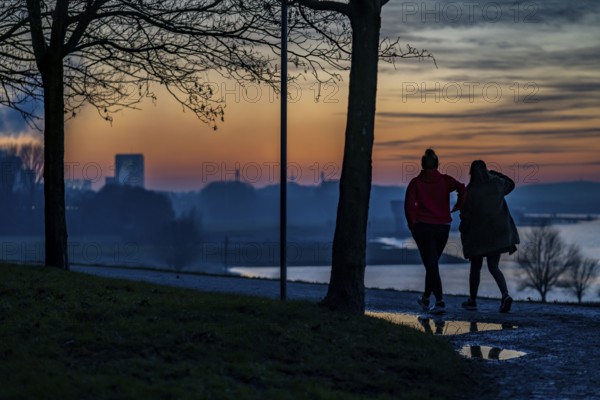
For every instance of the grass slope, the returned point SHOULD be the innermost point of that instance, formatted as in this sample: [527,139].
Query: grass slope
[68,335]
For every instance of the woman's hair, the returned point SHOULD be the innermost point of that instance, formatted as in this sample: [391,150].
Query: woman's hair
[429,160]
[479,172]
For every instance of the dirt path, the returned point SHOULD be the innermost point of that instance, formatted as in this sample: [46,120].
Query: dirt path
[561,345]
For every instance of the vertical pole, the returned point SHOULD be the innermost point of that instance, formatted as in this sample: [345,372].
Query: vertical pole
[283,157]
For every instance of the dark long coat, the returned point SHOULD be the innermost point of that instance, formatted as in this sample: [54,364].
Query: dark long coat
[486,224]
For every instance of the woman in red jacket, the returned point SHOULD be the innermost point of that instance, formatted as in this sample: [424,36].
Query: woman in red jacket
[427,208]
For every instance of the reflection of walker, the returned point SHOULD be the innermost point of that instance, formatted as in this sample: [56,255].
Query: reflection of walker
[490,353]
[438,324]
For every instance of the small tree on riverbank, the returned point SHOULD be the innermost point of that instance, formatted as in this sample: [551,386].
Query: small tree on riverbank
[544,259]
[178,243]
[580,276]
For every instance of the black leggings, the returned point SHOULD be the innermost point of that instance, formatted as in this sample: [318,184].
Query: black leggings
[431,240]
[493,260]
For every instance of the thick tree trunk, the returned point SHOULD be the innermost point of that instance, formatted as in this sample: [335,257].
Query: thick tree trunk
[54,155]
[346,286]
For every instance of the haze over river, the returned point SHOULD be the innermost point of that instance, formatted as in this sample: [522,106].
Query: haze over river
[454,276]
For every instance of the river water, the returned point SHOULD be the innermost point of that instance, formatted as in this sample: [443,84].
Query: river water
[112,251]
[454,276]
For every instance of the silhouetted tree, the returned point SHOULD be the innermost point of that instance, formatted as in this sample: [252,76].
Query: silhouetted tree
[357,36]
[178,241]
[228,205]
[131,212]
[109,53]
[580,276]
[543,260]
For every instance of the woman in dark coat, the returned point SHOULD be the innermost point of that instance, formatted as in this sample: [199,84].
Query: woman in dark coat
[487,229]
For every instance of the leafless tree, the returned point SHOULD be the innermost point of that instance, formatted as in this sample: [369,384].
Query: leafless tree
[580,276]
[178,242]
[543,259]
[110,54]
[351,30]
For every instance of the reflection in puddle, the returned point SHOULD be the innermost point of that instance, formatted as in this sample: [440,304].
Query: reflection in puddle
[490,353]
[438,326]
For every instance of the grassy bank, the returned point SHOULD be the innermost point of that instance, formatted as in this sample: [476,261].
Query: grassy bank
[68,335]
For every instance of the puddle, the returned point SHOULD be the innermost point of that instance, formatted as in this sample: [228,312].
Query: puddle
[490,353]
[438,326]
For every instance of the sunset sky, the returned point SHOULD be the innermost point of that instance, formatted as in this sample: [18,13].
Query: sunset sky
[517,86]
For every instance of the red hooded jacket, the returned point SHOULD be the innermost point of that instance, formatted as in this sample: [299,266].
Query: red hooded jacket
[428,198]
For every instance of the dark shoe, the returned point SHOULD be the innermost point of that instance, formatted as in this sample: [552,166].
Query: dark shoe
[470,305]
[439,308]
[424,303]
[506,304]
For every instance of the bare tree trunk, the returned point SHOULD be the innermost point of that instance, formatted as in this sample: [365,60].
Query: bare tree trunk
[346,286]
[54,155]
[49,60]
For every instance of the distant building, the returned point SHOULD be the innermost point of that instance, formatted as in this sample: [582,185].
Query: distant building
[129,169]
[10,172]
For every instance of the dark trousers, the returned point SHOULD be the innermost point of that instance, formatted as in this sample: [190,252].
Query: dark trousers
[493,260]
[431,240]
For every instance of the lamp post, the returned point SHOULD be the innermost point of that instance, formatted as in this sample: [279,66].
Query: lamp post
[283,157]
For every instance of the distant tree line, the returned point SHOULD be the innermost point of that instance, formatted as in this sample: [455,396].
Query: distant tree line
[128,213]
[142,216]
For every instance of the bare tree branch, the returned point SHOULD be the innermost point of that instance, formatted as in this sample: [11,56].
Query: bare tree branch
[110,47]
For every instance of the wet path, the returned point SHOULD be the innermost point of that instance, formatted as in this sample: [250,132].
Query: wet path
[562,343]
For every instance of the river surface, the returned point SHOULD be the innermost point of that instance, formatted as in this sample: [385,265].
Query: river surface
[454,276]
